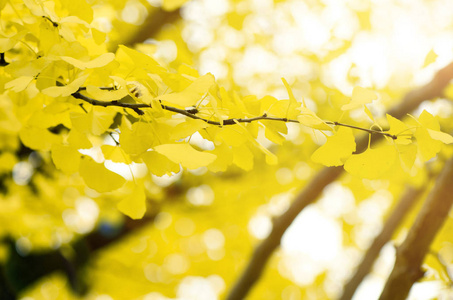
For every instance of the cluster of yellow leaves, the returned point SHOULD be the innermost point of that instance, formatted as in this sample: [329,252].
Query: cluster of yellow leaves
[54,52]
[420,138]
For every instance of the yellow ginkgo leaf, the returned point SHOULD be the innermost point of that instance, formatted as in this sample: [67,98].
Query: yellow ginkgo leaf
[360,97]
[428,121]
[66,158]
[79,8]
[138,139]
[97,177]
[96,121]
[337,148]
[19,84]
[185,155]
[38,138]
[243,157]
[190,95]
[187,128]
[66,90]
[105,95]
[427,146]
[224,158]
[159,164]
[98,36]
[134,205]
[407,154]
[290,108]
[310,119]
[290,92]
[369,114]
[430,58]
[400,130]
[373,163]
[440,136]
[115,154]
[79,140]
[98,62]
[232,135]
[432,125]
[140,59]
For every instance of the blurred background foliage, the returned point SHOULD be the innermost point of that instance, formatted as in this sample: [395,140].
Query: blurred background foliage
[200,227]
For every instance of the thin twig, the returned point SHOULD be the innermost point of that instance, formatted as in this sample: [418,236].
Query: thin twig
[191,113]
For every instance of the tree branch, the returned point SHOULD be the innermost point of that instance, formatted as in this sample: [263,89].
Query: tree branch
[313,188]
[409,256]
[191,113]
[397,216]
[154,22]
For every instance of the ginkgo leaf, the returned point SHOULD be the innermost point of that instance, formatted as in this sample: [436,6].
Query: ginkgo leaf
[429,137]
[407,154]
[224,158]
[133,205]
[66,90]
[427,146]
[243,157]
[373,163]
[310,119]
[78,140]
[185,155]
[98,62]
[115,154]
[369,114]
[286,108]
[140,59]
[98,36]
[428,121]
[432,125]
[105,95]
[96,121]
[159,164]
[292,99]
[430,58]
[38,138]
[360,97]
[8,42]
[190,95]
[138,139]
[440,136]
[400,130]
[19,84]
[337,148]
[98,177]
[187,128]
[66,158]
[232,136]
[79,8]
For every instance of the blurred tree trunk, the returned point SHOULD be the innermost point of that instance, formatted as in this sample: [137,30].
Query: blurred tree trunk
[410,255]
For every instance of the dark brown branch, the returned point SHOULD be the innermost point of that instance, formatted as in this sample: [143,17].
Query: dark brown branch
[313,188]
[3,62]
[155,21]
[409,256]
[397,216]
[191,113]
